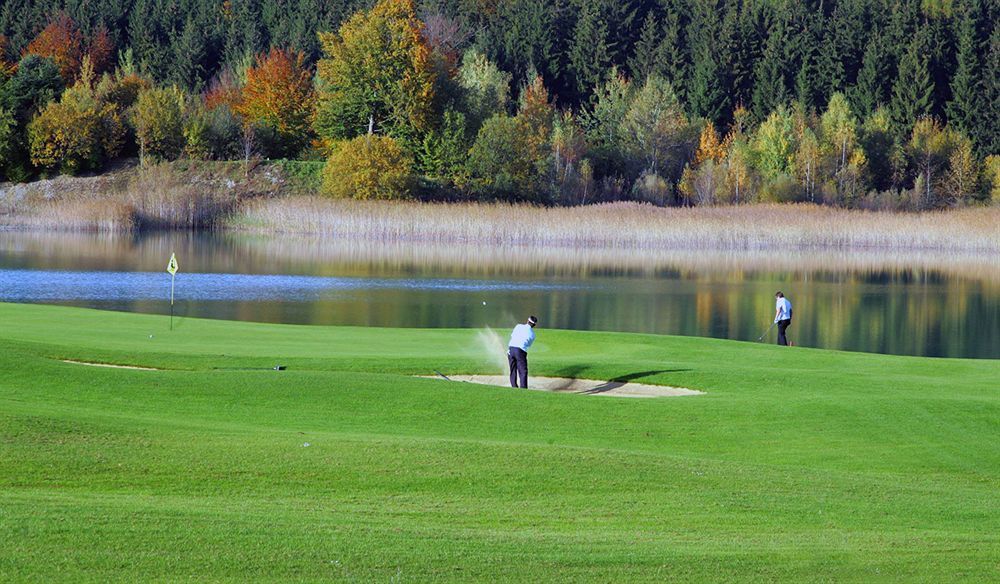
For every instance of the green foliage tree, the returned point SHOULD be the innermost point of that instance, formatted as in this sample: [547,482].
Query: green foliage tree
[369,167]
[158,118]
[499,164]
[774,145]
[7,127]
[377,75]
[486,89]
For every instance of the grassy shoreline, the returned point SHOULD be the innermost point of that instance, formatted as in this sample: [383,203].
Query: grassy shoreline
[797,464]
[280,199]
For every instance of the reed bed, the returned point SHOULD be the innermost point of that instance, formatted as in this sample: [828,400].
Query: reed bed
[627,225]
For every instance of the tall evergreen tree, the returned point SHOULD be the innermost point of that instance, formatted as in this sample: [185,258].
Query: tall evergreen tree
[913,90]
[589,56]
[966,87]
[672,58]
[870,91]
[186,68]
[769,89]
[989,134]
[706,97]
[646,55]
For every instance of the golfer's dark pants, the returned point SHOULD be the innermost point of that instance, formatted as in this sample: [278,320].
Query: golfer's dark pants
[518,361]
[782,325]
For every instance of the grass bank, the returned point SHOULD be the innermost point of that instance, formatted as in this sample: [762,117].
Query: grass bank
[280,198]
[797,464]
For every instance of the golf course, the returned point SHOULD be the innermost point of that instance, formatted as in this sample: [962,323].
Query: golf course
[349,465]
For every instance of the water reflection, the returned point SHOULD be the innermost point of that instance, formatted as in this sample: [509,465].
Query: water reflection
[936,304]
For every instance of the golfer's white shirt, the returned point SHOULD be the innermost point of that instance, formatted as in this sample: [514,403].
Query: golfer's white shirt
[522,337]
[783,308]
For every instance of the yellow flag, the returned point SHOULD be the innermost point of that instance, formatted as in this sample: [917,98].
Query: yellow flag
[172,266]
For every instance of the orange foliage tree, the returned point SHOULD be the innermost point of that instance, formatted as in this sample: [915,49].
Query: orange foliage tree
[278,95]
[101,51]
[7,67]
[62,42]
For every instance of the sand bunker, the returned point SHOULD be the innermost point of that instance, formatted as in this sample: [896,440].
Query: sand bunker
[89,364]
[581,386]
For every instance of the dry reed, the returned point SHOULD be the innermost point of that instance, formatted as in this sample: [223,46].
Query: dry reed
[628,225]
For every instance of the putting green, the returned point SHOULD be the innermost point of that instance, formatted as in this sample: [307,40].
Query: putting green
[796,464]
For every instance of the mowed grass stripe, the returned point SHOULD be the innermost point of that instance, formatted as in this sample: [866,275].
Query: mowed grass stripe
[844,466]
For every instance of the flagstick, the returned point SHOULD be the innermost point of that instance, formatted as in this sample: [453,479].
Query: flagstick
[171,301]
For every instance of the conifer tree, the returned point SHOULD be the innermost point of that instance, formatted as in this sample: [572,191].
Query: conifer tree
[646,56]
[589,56]
[869,93]
[913,89]
[966,88]
[769,81]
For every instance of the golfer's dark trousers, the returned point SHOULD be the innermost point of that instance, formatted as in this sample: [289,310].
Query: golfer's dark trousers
[518,361]
[782,325]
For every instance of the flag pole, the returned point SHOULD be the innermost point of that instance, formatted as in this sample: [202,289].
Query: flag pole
[171,301]
[172,270]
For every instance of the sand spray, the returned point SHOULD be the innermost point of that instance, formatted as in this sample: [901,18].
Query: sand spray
[493,349]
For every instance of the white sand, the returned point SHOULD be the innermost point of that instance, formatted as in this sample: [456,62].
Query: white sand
[89,364]
[580,386]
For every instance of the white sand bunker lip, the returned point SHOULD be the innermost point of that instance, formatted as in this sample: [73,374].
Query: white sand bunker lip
[581,386]
[92,364]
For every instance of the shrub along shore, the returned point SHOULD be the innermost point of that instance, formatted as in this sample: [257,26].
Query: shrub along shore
[283,197]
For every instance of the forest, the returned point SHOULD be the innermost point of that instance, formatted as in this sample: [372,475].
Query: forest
[880,104]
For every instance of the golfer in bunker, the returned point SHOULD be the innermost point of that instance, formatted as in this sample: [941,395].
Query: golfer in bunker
[517,351]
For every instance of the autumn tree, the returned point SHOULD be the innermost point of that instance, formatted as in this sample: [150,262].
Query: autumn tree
[101,50]
[62,42]
[278,95]
[7,66]
[369,167]
[377,75]
[962,178]
[66,135]
[930,147]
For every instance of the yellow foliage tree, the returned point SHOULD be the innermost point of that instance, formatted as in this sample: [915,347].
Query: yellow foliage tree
[66,135]
[368,167]
[378,75]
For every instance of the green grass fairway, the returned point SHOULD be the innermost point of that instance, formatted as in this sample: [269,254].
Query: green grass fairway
[797,464]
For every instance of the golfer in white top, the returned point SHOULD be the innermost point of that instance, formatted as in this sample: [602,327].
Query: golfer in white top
[782,316]
[517,351]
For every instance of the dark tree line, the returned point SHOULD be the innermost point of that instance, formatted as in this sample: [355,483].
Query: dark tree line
[919,57]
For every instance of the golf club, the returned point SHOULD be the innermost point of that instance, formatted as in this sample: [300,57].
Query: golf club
[441,374]
[761,338]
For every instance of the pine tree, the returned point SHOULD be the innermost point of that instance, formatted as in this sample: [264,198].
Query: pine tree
[705,97]
[589,56]
[966,88]
[769,88]
[989,124]
[869,93]
[672,61]
[913,89]
[645,57]
[186,68]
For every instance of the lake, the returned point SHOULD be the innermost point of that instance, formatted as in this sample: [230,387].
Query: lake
[926,304]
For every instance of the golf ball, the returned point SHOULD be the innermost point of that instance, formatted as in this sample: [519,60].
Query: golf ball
[484,303]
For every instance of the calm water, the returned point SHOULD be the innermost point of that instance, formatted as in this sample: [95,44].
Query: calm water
[935,305]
